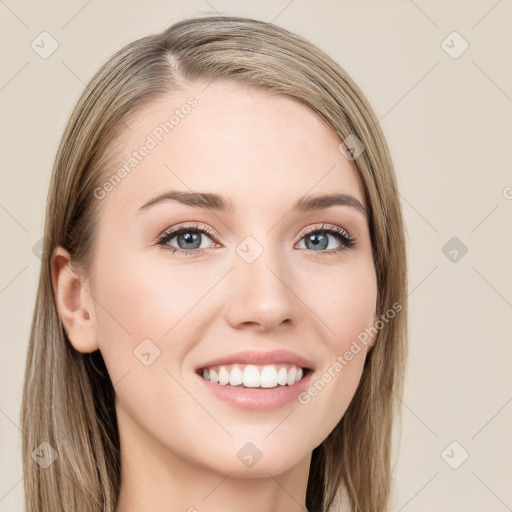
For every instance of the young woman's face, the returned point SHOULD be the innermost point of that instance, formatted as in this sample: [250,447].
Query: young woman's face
[258,276]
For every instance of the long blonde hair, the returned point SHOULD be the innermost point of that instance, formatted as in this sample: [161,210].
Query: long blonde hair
[68,398]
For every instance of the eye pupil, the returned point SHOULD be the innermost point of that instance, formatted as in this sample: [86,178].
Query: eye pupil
[318,240]
[189,238]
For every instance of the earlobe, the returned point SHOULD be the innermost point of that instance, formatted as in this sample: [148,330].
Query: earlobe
[74,302]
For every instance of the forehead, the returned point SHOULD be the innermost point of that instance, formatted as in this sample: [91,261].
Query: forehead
[251,145]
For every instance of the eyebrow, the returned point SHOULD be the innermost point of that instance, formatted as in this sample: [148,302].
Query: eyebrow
[209,201]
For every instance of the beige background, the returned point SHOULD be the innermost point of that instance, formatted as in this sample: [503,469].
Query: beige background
[449,125]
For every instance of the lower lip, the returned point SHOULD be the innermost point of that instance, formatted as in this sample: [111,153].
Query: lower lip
[258,399]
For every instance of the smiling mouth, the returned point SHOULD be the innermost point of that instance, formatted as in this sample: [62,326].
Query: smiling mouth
[254,376]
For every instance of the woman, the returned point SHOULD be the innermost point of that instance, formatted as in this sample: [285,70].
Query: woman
[220,320]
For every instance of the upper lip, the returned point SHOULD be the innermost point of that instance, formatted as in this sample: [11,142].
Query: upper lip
[256,357]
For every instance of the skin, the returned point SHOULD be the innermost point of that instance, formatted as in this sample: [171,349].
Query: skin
[179,442]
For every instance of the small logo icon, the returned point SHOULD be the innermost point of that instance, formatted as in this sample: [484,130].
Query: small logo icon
[454,455]
[44,455]
[146,352]
[249,455]
[37,249]
[44,45]
[351,147]
[454,249]
[454,45]
[249,249]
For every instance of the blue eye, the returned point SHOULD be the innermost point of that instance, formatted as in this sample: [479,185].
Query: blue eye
[317,240]
[187,236]
[190,239]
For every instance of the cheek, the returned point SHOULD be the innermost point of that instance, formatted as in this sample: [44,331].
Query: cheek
[145,328]
[345,302]
[343,299]
[141,299]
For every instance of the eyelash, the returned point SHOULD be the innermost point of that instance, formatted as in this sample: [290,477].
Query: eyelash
[347,241]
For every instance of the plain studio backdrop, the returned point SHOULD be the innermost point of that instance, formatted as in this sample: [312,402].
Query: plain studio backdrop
[438,76]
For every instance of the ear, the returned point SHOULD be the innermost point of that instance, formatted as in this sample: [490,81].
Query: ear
[74,302]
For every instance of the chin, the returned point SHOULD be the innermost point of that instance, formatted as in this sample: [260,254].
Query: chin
[258,460]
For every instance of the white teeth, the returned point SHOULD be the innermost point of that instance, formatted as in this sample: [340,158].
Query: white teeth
[252,376]
[291,376]
[223,376]
[236,377]
[269,377]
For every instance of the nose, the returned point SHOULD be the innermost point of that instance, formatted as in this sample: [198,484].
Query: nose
[260,294]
